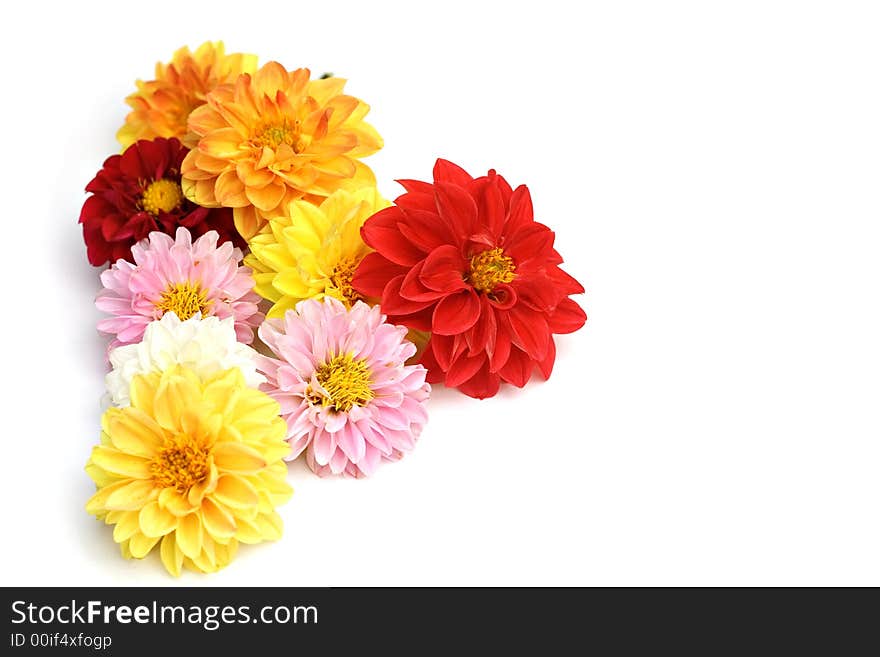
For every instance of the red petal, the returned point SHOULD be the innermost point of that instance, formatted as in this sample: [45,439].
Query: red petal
[482,385]
[394,304]
[416,186]
[463,369]
[381,232]
[502,351]
[456,313]
[530,331]
[457,207]
[490,206]
[518,369]
[566,282]
[503,297]
[538,293]
[546,365]
[535,241]
[426,230]
[412,288]
[520,213]
[373,274]
[482,336]
[503,187]
[446,171]
[435,373]
[419,320]
[444,269]
[417,201]
[567,318]
[446,349]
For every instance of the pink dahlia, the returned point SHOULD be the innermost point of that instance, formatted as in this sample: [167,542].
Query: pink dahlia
[179,276]
[344,390]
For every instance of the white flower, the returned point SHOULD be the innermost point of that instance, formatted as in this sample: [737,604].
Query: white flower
[204,345]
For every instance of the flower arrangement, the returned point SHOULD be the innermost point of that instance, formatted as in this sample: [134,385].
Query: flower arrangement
[264,301]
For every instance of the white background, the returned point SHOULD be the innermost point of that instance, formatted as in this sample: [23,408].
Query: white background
[711,171]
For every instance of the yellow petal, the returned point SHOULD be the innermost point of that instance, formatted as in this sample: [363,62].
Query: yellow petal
[131,496]
[235,457]
[98,502]
[142,392]
[217,520]
[225,553]
[235,492]
[155,520]
[247,532]
[126,526]
[120,463]
[205,561]
[176,503]
[179,389]
[133,432]
[140,545]
[271,526]
[189,535]
[172,557]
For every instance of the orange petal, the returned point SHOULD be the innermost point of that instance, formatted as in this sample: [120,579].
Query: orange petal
[247,221]
[252,177]
[270,78]
[222,143]
[204,119]
[266,198]
[229,190]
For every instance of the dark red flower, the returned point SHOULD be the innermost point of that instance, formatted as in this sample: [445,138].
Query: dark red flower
[138,192]
[465,259]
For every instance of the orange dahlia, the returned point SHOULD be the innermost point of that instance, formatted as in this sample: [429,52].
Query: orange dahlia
[160,107]
[275,137]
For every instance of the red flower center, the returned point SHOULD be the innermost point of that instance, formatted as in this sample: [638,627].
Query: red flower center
[490,268]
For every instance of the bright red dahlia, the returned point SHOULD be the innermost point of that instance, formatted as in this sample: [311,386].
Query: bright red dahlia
[465,259]
[139,192]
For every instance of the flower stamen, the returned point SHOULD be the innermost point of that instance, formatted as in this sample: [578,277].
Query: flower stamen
[275,134]
[184,299]
[340,279]
[490,268]
[346,381]
[161,196]
[181,463]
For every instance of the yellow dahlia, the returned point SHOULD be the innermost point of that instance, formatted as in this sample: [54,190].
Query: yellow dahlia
[311,251]
[161,107]
[195,464]
[273,138]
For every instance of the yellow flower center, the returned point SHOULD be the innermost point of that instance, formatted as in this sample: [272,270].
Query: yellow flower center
[182,463]
[347,382]
[490,268]
[275,134]
[161,196]
[340,279]
[185,299]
